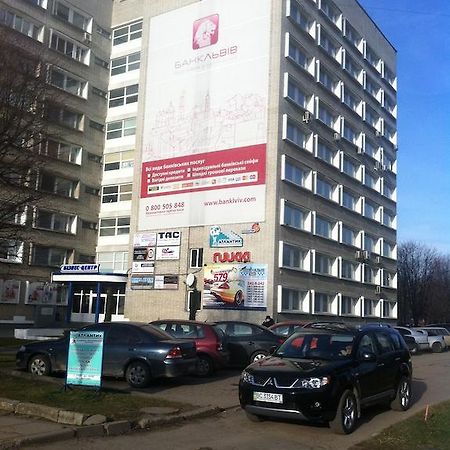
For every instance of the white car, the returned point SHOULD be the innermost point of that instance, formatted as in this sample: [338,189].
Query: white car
[438,338]
[419,335]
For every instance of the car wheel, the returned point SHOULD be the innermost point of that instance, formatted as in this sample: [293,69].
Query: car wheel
[238,298]
[402,400]
[257,356]
[253,417]
[346,414]
[138,374]
[436,347]
[39,365]
[415,349]
[205,366]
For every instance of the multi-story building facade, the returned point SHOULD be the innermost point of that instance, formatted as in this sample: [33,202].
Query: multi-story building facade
[264,159]
[73,40]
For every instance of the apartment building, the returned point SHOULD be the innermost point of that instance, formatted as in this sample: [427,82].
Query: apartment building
[73,39]
[265,147]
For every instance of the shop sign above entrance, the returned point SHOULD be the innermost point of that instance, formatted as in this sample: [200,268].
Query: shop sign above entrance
[80,268]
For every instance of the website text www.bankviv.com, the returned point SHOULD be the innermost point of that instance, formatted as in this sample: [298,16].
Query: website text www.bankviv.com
[230,201]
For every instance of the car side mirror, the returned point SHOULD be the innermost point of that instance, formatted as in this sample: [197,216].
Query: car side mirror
[273,349]
[367,356]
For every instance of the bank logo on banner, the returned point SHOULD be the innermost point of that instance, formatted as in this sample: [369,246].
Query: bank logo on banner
[218,238]
[205,31]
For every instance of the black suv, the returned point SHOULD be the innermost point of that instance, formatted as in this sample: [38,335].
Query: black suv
[328,375]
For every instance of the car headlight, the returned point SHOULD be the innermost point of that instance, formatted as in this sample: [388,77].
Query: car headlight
[22,348]
[314,382]
[247,377]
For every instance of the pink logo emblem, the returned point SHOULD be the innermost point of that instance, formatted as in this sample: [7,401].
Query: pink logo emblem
[205,31]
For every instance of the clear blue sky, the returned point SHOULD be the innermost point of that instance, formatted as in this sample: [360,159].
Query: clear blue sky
[420,31]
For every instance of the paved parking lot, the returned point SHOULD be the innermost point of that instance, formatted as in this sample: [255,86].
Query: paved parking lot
[231,429]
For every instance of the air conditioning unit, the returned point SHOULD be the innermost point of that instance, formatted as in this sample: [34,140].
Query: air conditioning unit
[358,254]
[378,260]
[377,133]
[366,254]
[87,37]
[378,290]
[336,136]
[359,150]
[378,166]
[385,167]
[307,116]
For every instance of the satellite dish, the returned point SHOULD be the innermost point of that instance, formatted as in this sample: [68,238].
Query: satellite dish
[190,280]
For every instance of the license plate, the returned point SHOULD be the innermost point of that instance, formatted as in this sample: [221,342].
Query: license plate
[267,397]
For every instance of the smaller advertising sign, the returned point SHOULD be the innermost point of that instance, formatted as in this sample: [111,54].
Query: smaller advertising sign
[166,238]
[85,358]
[219,238]
[166,253]
[143,254]
[166,282]
[145,240]
[143,267]
[142,282]
[235,286]
[9,291]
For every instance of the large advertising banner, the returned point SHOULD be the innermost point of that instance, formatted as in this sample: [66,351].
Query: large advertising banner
[205,127]
[236,286]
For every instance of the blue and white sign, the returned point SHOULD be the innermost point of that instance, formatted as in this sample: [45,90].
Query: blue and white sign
[85,359]
[220,239]
[80,268]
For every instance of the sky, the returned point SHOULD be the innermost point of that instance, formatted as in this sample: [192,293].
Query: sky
[420,32]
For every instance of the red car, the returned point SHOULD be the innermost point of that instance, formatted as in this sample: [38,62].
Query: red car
[211,352]
[285,329]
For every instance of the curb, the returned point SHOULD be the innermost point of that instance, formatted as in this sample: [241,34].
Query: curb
[52,436]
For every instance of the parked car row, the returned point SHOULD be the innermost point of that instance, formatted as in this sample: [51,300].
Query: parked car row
[434,338]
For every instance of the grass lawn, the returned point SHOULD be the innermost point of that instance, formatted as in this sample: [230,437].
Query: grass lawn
[415,433]
[113,405]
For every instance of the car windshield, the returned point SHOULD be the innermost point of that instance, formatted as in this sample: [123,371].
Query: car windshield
[330,346]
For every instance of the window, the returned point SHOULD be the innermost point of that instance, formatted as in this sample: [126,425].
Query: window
[56,185]
[348,270]
[369,274]
[325,153]
[101,62]
[63,80]
[349,200]
[387,279]
[195,258]
[121,128]
[331,47]
[125,63]
[41,3]
[102,32]
[372,57]
[349,167]
[348,235]
[63,151]
[389,133]
[370,149]
[91,190]
[388,311]
[11,251]
[97,125]
[65,117]
[327,80]
[294,217]
[386,345]
[352,35]
[295,174]
[370,210]
[350,100]
[388,162]
[371,117]
[298,55]
[350,134]
[389,76]
[47,256]
[114,261]
[116,193]
[89,225]
[323,264]
[292,299]
[296,94]
[99,92]
[322,303]
[372,88]
[351,67]
[388,249]
[324,227]
[299,17]
[54,221]
[75,18]
[326,115]
[388,190]
[69,48]
[116,226]
[369,243]
[388,219]
[119,160]
[295,134]
[328,8]
[123,96]
[20,24]
[324,188]
[348,305]
[370,180]
[293,257]
[127,33]
[389,104]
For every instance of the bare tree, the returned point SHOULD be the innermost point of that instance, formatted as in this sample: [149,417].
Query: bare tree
[23,130]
